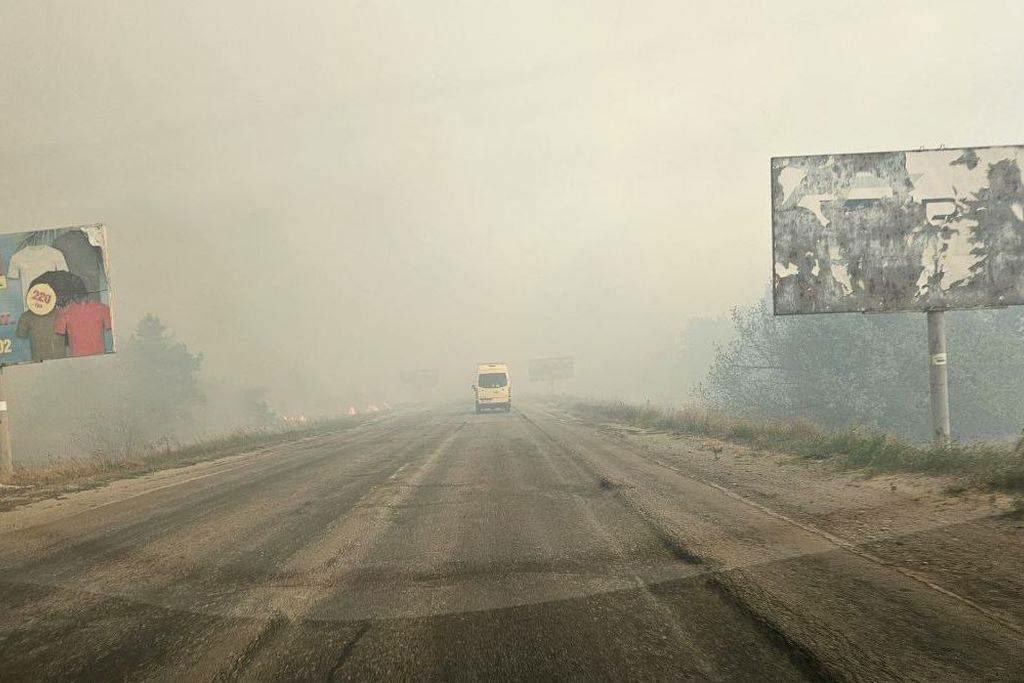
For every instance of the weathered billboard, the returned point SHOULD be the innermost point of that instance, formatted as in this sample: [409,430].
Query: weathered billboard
[550,369]
[423,378]
[54,295]
[898,231]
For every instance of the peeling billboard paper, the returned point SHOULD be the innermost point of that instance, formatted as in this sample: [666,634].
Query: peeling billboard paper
[54,295]
[550,369]
[898,231]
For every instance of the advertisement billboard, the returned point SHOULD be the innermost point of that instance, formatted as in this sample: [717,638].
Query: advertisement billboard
[550,369]
[898,231]
[54,295]
[423,378]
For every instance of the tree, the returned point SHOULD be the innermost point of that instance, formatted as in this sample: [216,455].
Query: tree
[159,383]
[114,405]
[256,412]
[850,369]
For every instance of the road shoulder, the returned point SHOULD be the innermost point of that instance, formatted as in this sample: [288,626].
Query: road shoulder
[971,543]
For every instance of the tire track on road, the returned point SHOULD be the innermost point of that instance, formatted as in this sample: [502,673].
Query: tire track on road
[727,580]
[338,553]
[838,542]
[235,514]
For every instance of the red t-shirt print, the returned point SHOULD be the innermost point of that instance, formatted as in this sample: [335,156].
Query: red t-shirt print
[83,322]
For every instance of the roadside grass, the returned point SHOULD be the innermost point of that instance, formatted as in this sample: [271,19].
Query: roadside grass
[89,471]
[987,466]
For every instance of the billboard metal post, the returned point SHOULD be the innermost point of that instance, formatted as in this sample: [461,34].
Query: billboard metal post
[6,458]
[938,377]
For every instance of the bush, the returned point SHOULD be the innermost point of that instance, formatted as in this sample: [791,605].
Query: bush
[845,370]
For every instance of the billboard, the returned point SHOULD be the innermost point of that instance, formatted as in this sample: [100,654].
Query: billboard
[54,295]
[424,378]
[898,231]
[550,369]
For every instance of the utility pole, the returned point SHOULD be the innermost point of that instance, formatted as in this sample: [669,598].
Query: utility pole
[938,377]
[6,459]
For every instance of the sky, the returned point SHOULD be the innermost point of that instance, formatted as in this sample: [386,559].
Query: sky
[316,195]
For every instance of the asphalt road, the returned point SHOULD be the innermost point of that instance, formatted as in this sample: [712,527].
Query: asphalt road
[447,545]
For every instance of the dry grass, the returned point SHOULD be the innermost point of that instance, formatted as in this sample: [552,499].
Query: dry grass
[990,466]
[100,468]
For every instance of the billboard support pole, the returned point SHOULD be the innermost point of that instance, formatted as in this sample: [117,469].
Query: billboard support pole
[6,458]
[938,377]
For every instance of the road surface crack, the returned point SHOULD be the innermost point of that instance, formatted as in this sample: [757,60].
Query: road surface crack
[346,652]
[267,632]
[812,666]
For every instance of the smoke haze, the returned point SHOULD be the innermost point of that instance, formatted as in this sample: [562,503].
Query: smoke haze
[317,195]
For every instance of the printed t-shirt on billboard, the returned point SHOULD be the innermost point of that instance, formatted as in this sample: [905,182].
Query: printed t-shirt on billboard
[84,323]
[44,341]
[30,262]
[83,258]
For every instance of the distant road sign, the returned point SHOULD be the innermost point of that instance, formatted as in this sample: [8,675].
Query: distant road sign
[548,369]
[898,231]
[424,378]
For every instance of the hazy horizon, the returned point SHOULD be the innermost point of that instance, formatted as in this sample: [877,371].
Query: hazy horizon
[315,197]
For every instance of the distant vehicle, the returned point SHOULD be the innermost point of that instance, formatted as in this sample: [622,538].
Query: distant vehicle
[493,387]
